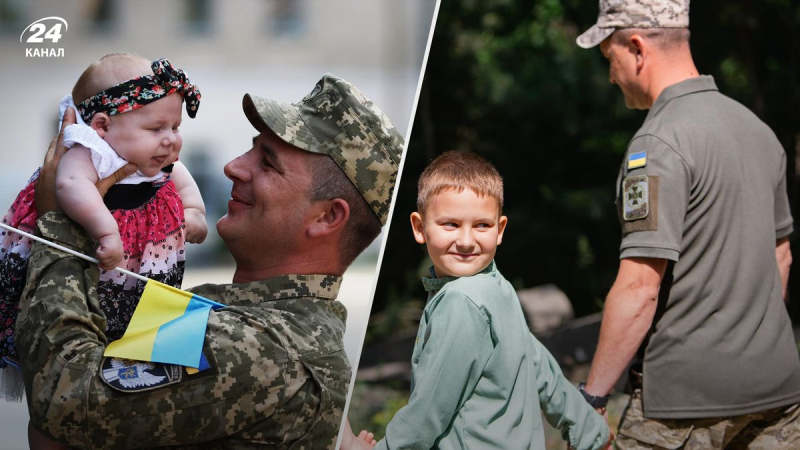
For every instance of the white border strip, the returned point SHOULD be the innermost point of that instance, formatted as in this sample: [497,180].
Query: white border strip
[391,213]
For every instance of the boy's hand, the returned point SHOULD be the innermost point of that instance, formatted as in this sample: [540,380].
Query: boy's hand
[196,227]
[356,443]
[367,437]
[109,251]
[351,442]
[611,436]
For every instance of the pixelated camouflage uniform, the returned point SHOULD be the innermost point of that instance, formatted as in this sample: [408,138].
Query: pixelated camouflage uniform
[775,428]
[278,376]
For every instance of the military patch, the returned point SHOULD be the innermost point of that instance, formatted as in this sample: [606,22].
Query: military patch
[635,198]
[636,160]
[135,376]
[629,199]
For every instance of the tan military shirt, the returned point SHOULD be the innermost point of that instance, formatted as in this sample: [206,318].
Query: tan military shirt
[703,185]
[278,376]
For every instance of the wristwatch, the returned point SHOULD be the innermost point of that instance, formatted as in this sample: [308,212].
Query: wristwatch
[596,402]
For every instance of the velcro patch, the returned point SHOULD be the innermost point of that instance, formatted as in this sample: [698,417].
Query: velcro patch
[135,376]
[638,203]
[636,160]
[635,198]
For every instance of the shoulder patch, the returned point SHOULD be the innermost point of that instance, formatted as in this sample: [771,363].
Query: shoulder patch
[635,198]
[636,160]
[135,376]
[637,203]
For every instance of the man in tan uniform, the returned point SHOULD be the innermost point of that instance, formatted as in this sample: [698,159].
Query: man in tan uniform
[704,256]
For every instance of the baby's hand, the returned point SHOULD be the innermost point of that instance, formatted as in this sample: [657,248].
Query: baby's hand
[109,251]
[196,228]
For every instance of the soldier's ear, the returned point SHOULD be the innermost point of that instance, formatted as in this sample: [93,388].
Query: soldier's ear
[640,50]
[329,216]
[417,228]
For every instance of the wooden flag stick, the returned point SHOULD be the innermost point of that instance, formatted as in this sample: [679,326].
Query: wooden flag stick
[71,252]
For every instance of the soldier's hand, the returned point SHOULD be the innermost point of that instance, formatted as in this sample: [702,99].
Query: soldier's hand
[105,184]
[45,192]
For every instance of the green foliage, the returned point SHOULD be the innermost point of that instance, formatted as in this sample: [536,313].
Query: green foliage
[373,406]
[381,419]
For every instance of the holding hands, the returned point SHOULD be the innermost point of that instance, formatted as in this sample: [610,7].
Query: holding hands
[364,440]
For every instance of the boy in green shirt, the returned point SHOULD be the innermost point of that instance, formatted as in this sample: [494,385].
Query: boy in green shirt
[480,380]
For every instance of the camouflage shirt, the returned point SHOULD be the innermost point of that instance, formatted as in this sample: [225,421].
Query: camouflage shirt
[278,376]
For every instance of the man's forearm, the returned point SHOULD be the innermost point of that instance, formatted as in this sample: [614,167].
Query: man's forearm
[60,331]
[783,255]
[628,315]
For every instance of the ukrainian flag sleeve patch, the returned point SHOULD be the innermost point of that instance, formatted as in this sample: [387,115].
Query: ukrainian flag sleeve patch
[636,160]
[168,326]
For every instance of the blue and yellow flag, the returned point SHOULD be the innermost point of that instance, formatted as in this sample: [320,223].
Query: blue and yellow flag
[636,160]
[168,326]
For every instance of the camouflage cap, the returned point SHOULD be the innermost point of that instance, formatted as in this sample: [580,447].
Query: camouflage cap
[616,14]
[336,119]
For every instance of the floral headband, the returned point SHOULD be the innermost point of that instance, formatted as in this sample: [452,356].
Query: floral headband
[133,94]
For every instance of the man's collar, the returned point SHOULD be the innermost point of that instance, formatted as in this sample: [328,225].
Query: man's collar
[278,288]
[433,284]
[685,87]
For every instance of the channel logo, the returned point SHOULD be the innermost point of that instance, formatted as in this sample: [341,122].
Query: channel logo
[44,34]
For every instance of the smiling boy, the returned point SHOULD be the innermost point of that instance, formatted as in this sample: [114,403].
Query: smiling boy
[479,378]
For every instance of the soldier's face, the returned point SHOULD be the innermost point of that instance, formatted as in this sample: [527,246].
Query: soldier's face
[623,71]
[269,203]
[461,231]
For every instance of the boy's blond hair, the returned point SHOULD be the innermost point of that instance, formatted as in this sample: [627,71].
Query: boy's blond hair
[458,171]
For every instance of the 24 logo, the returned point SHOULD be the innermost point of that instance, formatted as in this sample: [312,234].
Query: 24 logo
[39,31]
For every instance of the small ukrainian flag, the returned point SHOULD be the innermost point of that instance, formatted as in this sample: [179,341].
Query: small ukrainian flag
[636,160]
[168,326]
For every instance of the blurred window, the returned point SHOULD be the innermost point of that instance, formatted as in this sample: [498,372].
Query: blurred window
[287,18]
[198,16]
[12,16]
[103,15]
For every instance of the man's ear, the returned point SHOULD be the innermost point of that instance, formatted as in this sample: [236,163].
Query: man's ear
[417,228]
[330,216]
[501,227]
[640,50]
[100,123]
